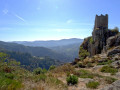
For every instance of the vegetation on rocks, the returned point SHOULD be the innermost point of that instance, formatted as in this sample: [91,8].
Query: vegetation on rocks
[72,79]
[109,69]
[110,80]
[115,30]
[91,40]
[83,53]
[92,84]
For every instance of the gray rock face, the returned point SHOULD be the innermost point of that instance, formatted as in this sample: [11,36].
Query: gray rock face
[113,86]
[116,64]
[113,51]
[118,75]
[117,40]
[113,41]
[102,38]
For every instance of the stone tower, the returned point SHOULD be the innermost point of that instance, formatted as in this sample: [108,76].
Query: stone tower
[99,34]
[101,22]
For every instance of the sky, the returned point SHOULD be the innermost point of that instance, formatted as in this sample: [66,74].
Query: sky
[29,20]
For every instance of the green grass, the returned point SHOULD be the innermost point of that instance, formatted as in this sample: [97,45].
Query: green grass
[105,63]
[83,53]
[85,74]
[7,82]
[110,80]
[92,85]
[72,79]
[109,69]
[91,40]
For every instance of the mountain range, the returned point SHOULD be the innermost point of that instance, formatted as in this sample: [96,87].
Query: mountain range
[50,43]
[66,52]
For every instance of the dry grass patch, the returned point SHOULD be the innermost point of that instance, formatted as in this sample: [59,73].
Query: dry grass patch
[64,69]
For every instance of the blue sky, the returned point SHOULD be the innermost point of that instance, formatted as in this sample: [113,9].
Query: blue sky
[29,20]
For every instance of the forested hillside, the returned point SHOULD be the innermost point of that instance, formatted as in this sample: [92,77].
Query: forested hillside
[31,62]
[34,51]
[50,43]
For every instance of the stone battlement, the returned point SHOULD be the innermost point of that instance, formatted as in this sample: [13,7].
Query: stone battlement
[101,22]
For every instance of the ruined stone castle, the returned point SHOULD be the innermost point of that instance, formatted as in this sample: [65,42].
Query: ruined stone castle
[98,41]
[101,21]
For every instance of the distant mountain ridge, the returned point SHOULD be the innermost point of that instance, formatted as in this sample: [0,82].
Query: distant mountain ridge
[50,43]
[34,51]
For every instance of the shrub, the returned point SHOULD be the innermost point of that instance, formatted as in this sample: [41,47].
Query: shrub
[9,75]
[110,80]
[105,62]
[72,79]
[44,70]
[109,69]
[68,74]
[89,65]
[55,82]
[8,69]
[83,53]
[115,30]
[37,71]
[80,65]
[42,77]
[7,82]
[92,84]
[85,74]
[64,69]
[52,67]
[91,40]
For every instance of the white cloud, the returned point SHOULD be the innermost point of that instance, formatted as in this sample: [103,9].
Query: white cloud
[19,17]
[5,11]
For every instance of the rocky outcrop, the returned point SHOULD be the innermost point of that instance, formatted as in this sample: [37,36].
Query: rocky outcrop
[114,51]
[113,41]
[113,86]
[102,38]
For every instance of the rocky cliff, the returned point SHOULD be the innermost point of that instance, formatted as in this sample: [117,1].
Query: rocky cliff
[102,38]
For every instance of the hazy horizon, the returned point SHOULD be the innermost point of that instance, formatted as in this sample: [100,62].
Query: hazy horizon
[45,40]
[31,20]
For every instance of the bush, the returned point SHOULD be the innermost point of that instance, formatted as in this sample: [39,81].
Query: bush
[83,53]
[91,40]
[37,71]
[89,65]
[92,85]
[42,77]
[9,75]
[80,65]
[110,80]
[115,30]
[72,79]
[85,74]
[7,82]
[105,62]
[44,70]
[109,69]
[52,67]
[68,74]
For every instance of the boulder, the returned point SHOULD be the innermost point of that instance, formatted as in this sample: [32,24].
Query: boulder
[117,40]
[116,64]
[114,51]
[113,86]
[118,75]
[111,41]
